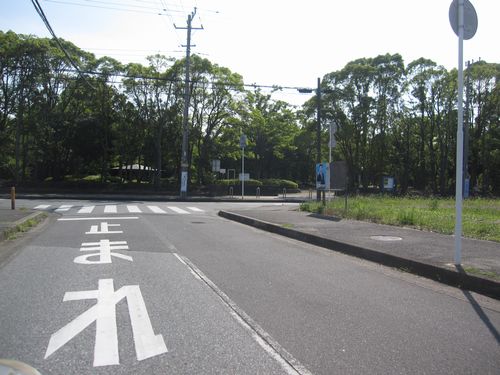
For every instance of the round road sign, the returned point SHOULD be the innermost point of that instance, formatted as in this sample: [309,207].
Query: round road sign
[470,18]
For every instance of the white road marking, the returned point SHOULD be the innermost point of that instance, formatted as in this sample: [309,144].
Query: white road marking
[98,218]
[86,210]
[287,362]
[64,208]
[195,209]
[106,351]
[189,268]
[110,209]
[177,210]
[42,207]
[134,209]
[156,210]
[104,252]
[94,229]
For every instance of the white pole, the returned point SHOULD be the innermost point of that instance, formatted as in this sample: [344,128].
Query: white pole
[330,146]
[242,172]
[460,137]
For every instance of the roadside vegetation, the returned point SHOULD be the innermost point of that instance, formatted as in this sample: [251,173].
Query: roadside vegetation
[14,232]
[122,125]
[480,217]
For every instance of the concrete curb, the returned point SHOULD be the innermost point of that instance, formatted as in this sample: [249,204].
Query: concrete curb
[37,216]
[450,277]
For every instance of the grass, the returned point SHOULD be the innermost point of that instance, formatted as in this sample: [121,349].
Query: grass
[478,272]
[480,217]
[12,233]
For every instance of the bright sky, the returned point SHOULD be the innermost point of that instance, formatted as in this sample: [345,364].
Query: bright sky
[268,42]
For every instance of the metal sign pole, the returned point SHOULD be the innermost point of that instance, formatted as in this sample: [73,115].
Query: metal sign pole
[463,20]
[460,137]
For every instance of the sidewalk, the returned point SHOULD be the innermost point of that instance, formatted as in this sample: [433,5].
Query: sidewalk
[423,253]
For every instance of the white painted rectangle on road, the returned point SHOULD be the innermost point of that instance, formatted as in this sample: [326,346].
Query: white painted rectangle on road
[110,209]
[64,208]
[156,210]
[195,209]
[86,210]
[134,209]
[42,206]
[177,210]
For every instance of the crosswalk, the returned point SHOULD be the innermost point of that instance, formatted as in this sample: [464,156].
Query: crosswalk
[117,209]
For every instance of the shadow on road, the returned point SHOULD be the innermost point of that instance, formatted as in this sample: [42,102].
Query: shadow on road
[479,311]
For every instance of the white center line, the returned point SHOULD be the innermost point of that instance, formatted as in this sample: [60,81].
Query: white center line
[177,209]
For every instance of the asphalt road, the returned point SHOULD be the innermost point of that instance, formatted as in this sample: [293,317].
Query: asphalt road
[192,293]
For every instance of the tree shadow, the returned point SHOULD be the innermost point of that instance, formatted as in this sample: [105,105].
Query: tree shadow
[478,309]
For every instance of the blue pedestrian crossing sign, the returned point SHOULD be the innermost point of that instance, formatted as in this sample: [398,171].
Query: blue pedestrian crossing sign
[322,176]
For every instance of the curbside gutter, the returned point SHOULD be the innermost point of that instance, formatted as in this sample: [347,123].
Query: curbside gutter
[455,278]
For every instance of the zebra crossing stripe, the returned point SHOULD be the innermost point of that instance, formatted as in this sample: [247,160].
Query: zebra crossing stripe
[64,208]
[156,210]
[110,209]
[86,210]
[134,209]
[42,207]
[195,209]
[177,210]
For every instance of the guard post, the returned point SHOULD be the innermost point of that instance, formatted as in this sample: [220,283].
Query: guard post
[13,197]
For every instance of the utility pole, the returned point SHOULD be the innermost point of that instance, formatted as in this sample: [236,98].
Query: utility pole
[185,130]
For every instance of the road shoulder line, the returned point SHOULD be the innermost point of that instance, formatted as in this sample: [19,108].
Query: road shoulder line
[270,345]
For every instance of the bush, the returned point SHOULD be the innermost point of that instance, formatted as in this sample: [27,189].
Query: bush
[233,182]
[92,178]
[276,182]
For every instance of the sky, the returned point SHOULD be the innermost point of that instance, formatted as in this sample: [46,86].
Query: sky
[275,42]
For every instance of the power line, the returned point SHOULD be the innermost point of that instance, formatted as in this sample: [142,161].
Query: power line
[120,7]
[40,12]
[298,89]
[171,20]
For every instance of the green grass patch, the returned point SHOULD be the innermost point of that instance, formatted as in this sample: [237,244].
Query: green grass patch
[480,217]
[287,225]
[13,233]
[479,272]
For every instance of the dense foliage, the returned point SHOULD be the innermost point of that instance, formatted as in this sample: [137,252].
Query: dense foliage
[393,120]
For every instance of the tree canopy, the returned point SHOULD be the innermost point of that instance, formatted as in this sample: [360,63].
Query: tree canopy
[393,120]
